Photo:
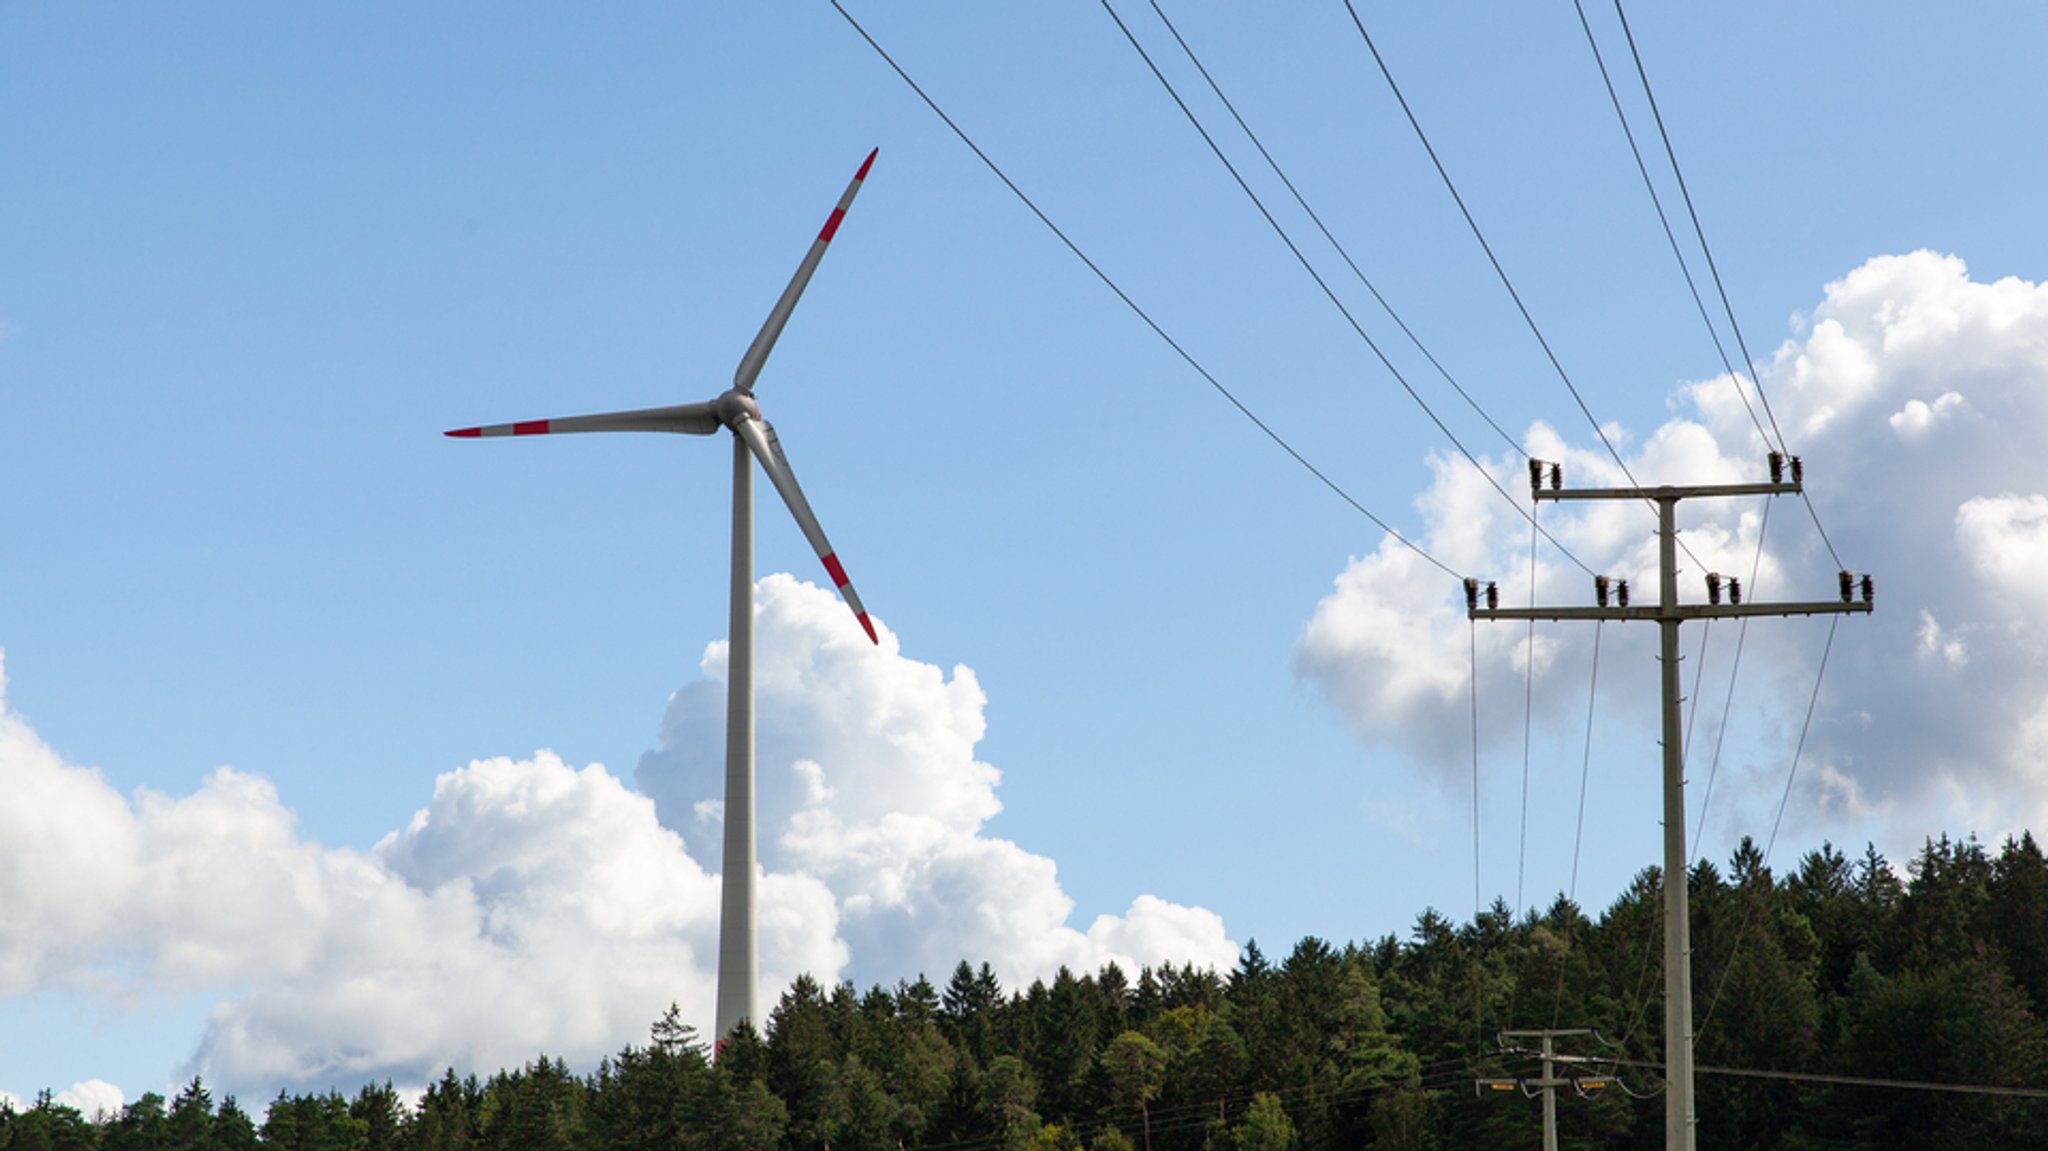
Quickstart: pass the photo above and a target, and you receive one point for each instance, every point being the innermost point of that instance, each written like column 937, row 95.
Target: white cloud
column 869, row 786
column 471, row 937
column 1920, row 419
column 1935, row 707
column 534, row 906
column 94, row 1098
column 1936, row 644
column 341, row 966
column 2004, row 541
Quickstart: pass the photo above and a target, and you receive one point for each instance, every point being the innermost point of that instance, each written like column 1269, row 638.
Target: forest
column 1901, row 1011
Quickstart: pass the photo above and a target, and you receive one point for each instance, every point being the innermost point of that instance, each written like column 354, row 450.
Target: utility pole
column 1550, row 1082
column 1669, row 613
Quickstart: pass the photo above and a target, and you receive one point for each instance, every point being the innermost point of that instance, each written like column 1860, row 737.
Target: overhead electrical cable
column 1309, row 267
column 1472, row 679
column 1242, row 408
column 1805, row 728
column 1685, row 192
column 1579, row 827
column 1714, row 269
column 1652, row 951
column 1699, row 827
column 1845, row 1080
column 1479, row 235
column 1671, row 237
column 1699, row 673
column 1195, row 1115
column 1785, row 800
column 1528, row 722
column 1586, row 761
column 1342, row 252
column 1500, row 271
column 1734, row 671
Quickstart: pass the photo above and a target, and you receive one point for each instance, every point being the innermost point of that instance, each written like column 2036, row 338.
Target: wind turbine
column 752, row 435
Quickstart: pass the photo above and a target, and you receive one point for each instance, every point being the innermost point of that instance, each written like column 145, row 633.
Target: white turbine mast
column 752, row 436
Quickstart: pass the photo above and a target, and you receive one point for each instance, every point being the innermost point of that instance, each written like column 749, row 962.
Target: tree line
column 1838, row 968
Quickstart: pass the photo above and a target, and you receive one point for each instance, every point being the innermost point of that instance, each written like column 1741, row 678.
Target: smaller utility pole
column 1612, row 598
column 1549, row 1083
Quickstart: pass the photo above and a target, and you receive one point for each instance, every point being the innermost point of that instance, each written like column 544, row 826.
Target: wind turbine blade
column 686, row 419
column 759, row 437
column 764, row 340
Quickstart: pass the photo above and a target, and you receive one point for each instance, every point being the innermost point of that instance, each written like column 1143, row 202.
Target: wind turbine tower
column 753, row 440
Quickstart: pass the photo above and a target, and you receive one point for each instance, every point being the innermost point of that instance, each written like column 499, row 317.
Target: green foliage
column 142, row 1126
column 233, row 1129
column 1840, row 967
column 450, row 1114
column 1008, row 1099
column 1111, row 1139
column 190, row 1125
column 1053, row 1137
column 657, row 1097
column 381, row 1112
column 1265, row 1127
column 1136, row 1067
column 47, row 1126
column 313, row 1123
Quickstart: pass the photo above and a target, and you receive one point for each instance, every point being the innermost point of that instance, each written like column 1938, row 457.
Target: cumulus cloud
column 1917, row 397
column 869, row 786
column 92, row 1097
column 469, row 937
column 535, row 906
column 1920, row 419
column 473, row 936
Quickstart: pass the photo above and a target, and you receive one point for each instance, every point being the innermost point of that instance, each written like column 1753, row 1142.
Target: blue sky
column 256, row 259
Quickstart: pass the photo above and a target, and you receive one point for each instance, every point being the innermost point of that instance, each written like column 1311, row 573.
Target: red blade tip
column 872, row 637
column 865, row 165
column 465, row 433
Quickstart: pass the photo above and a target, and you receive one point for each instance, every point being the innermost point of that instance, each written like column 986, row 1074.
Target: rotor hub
column 734, row 406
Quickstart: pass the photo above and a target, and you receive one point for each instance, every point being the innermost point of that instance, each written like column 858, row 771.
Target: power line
column 1586, row 764
column 1132, row 304
column 1734, row 673
column 1430, row 1075
column 1749, row 912
column 1501, row 272
column 1657, row 201
column 1846, row 1080
column 1686, row 193
column 1308, row 267
column 1799, row 750
column 1579, row 828
column 1472, row 679
column 1528, row 717
column 1712, row 268
column 1333, row 241
column 1479, row 235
